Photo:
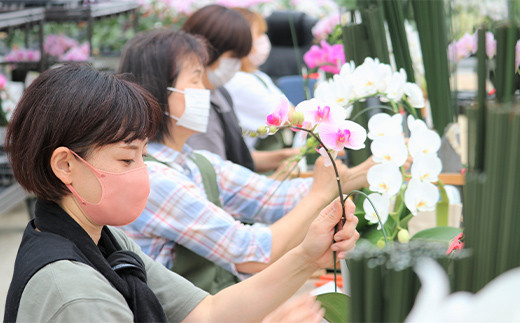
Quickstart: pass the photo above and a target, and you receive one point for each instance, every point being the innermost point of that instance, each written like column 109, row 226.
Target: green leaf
column 336, row 306
column 440, row 234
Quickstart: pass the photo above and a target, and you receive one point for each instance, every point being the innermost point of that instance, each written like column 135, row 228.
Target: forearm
column 289, row 231
column 269, row 160
column 259, row 295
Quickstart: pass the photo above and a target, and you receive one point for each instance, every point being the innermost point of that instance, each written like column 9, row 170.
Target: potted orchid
column 63, row 48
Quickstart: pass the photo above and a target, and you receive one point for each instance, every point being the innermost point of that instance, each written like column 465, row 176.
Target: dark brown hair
column 155, row 59
column 253, row 18
column 77, row 107
column 223, row 28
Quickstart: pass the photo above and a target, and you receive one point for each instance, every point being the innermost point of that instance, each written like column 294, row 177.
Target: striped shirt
column 178, row 210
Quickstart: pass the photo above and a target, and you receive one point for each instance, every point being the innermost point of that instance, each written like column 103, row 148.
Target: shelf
column 17, row 18
column 10, row 196
column 82, row 13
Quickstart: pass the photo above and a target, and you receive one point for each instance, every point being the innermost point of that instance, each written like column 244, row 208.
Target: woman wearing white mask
column 76, row 140
column 229, row 39
column 255, row 95
column 191, row 222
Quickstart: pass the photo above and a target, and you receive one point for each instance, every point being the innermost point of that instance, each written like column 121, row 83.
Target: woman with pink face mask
column 76, row 140
column 255, row 95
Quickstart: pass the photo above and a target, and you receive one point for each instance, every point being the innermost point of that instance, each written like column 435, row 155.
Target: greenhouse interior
column 332, row 160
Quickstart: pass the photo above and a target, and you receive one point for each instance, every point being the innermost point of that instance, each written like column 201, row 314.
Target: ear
column 61, row 164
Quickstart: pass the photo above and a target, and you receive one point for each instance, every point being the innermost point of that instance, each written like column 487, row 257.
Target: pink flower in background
column 343, row 134
column 280, row 115
column 328, row 58
column 517, row 55
column 57, row 45
column 325, row 26
column 77, row 53
column 22, row 55
column 491, row 45
column 3, row 80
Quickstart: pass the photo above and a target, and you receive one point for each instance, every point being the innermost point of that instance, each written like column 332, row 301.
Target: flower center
column 384, row 186
column 369, row 83
column 387, row 158
column 421, row 204
column 274, row 119
column 343, row 136
column 322, row 114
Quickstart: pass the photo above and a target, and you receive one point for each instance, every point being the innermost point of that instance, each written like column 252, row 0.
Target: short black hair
column 78, row 107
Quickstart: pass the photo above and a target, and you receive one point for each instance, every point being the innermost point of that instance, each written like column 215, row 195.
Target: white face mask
column 196, row 112
column 262, row 48
column 227, row 68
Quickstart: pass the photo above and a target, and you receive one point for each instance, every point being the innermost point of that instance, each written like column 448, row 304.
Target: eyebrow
column 133, row 147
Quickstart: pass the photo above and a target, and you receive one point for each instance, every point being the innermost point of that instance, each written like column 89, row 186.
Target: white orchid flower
column 420, row 196
column 385, row 179
column 496, row 302
column 383, row 124
column 347, row 70
column 368, row 78
column 316, row 111
column 395, row 86
column 426, row 168
column 414, row 94
column 423, row 142
column 335, row 92
column 390, row 149
column 382, row 204
column 415, row 124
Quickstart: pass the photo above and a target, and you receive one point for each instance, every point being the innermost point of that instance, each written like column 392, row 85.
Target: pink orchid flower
column 280, row 115
column 316, row 112
column 3, row 81
column 328, row 58
column 343, row 134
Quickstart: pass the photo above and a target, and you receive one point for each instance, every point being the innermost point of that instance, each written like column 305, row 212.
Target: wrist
column 308, row 263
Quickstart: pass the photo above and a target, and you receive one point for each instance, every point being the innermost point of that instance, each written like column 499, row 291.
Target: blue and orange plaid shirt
column 178, row 210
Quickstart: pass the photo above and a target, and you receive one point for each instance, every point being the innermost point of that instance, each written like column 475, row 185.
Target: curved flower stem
column 379, row 106
column 410, row 108
column 394, row 106
column 375, row 210
column 343, row 217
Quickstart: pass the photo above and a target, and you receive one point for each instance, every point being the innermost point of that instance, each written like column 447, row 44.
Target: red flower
column 456, row 244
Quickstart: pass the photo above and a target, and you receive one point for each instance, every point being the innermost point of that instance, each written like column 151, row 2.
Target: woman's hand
column 300, row 309
column 320, row 241
column 324, row 182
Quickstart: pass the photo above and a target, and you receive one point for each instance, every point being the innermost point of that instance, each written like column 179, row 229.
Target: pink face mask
column 123, row 196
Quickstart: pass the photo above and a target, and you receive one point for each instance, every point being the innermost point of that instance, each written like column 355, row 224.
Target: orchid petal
column 385, row 179
column 423, row 142
column 382, row 204
column 421, row 196
column 390, row 149
column 383, row 124
column 426, row 168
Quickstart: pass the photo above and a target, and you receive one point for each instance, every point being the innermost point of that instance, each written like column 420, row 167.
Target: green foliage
column 336, row 306
column 437, row 234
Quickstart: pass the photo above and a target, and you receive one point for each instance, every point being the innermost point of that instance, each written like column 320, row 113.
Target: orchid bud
column 296, row 118
column 252, row 134
column 262, row 130
column 381, row 244
column 272, row 129
column 403, row 236
column 311, row 142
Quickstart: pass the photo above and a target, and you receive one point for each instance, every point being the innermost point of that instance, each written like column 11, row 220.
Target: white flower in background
column 385, row 179
column 316, row 111
column 389, row 149
column 414, row 94
column 426, row 168
column 420, row 196
column 423, row 142
column 415, row 124
column 335, row 91
column 347, row 70
column 396, row 85
column 382, row 205
column 368, row 78
column 496, row 302
column 383, row 124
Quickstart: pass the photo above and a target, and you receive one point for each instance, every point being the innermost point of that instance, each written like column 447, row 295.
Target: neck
column 178, row 138
column 69, row 205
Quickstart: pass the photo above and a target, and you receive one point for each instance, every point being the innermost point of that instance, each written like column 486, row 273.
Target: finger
column 347, row 232
column 343, row 247
column 331, row 214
